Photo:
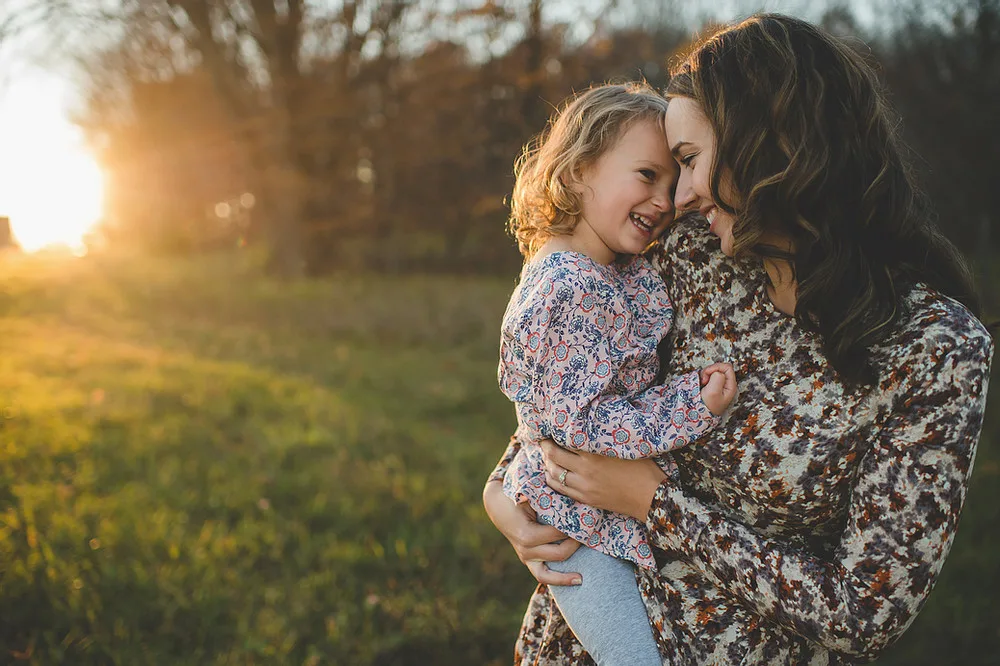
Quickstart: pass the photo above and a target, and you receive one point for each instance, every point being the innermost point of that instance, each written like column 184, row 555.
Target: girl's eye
column 688, row 159
column 648, row 174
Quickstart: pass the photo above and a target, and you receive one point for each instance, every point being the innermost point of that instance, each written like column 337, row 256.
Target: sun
column 50, row 186
column 57, row 201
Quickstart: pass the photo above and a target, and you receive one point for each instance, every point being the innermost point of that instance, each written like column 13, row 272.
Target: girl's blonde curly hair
column 546, row 199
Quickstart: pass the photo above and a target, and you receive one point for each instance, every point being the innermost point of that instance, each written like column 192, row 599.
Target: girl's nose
column 684, row 198
column 663, row 202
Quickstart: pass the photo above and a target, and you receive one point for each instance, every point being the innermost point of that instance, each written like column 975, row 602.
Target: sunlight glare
column 50, row 187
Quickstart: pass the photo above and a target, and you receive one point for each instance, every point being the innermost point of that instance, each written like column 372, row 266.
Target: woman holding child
column 808, row 523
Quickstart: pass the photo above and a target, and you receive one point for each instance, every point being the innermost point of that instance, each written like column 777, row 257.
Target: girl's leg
column 606, row 612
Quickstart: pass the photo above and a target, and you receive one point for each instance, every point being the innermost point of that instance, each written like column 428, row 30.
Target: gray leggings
column 606, row 612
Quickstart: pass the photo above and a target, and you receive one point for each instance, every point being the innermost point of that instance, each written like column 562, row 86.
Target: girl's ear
column 569, row 193
column 572, row 180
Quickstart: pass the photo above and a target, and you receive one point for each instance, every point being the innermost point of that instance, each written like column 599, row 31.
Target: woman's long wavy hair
column 807, row 150
column 546, row 201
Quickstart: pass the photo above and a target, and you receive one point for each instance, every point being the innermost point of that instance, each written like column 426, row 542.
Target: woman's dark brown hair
column 807, row 149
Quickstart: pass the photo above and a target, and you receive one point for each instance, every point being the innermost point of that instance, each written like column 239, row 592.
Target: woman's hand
column 624, row 486
column 534, row 543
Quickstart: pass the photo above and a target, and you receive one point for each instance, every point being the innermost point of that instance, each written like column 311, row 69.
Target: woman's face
column 692, row 143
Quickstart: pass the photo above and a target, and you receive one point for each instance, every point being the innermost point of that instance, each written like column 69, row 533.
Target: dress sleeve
column 902, row 517
column 578, row 342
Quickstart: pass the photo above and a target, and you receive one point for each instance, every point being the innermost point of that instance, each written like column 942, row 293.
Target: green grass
column 199, row 465
column 203, row 466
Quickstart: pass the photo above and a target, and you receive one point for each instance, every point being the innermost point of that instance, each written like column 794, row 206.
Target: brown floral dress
column 811, row 524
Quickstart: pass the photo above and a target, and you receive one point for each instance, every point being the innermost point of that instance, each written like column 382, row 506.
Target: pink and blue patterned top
column 578, row 357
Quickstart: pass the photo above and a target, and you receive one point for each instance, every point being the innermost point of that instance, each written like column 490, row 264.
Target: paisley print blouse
column 577, row 357
column 811, row 524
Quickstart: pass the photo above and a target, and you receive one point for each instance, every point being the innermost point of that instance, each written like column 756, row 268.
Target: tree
column 945, row 79
column 174, row 170
column 259, row 56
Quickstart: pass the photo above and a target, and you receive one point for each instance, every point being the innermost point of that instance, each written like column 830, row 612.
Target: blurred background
column 255, row 263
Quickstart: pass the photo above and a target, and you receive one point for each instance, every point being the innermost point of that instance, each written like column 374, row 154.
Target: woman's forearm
column 613, row 484
column 822, row 600
column 534, row 543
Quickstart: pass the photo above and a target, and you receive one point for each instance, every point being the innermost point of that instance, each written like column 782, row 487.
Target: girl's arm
column 902, row 519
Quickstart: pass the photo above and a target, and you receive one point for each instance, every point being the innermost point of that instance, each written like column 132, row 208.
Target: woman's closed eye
column 688, row 160
column 648, row 174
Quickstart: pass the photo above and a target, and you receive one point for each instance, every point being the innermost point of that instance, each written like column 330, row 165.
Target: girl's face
column 627, row 194
column 692, row 143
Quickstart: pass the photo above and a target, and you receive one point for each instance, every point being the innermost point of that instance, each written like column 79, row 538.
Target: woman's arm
column 902, row 518
column 534, row 543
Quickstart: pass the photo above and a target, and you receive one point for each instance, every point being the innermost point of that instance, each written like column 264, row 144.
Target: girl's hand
column 718, row 387
column 534, row 543
column 624, row 486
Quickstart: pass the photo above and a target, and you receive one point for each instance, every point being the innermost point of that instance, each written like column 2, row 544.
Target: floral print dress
column 809, row 527
column 577, row 357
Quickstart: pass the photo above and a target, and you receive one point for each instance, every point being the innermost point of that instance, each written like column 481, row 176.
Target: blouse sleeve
column 571, row 351
column 683, row 257
column 902, row 518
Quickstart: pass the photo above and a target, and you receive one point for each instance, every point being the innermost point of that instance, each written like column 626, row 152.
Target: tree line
column 381, row 134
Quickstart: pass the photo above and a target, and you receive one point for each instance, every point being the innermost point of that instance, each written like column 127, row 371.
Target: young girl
column 579, row 339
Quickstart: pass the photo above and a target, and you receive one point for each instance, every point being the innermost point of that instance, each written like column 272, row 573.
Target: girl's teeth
column 640, row 221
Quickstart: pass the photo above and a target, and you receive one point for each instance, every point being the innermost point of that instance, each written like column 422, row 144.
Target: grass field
column 201, row 466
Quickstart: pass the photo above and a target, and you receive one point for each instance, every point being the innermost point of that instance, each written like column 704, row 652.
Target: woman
column 810, row 526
